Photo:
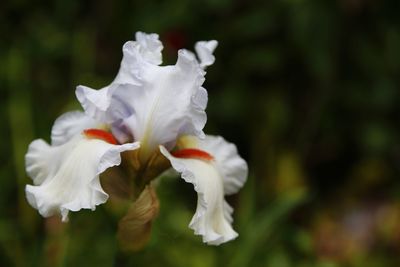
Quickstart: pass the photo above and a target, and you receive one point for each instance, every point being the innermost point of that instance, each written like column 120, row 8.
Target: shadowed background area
column 307, row 89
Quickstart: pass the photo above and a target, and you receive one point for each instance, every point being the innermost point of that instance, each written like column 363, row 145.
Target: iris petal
column 212, row 219
column 170, row 103
column 66, row 177
column 155, row 103
column 220, row 173
column 69, row 125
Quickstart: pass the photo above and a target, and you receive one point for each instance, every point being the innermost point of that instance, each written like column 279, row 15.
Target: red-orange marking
column 190, row 153
column 100, row 134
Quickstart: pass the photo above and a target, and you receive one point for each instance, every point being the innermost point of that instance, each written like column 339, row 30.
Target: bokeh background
column 307, row 89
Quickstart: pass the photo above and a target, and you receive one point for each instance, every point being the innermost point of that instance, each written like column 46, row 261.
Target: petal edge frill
column 204, row 50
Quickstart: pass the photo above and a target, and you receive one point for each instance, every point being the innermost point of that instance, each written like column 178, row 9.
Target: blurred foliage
column 307, row 89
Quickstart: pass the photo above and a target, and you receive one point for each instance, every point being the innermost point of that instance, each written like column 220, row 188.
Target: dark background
column 307, row 89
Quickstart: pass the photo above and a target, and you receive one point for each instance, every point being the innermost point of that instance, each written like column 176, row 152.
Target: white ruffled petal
column 150, row 47
column 213, row 218
column 137, row 55
column 155, row 103
column 95, row 102
column 171, row 102
column 205, row 50
column 66, row 177
column 69, row 125
column 103, row 104
column 232, row 167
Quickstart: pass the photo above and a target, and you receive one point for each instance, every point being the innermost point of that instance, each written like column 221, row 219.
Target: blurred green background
column 307, row 89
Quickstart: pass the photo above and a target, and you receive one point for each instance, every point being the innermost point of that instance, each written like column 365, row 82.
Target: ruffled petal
column 66, row 177
column 103, row 104
column 95, row 102
column 232, row 167
column 205, row 50
column 69, row 125
column 155, row 103
column 213, row 216
column 146, row 50
column 171, row 102
column 150, row 47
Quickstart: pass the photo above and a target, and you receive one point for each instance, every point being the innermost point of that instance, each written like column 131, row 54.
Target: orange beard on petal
column 100, row 134
column 192, row 153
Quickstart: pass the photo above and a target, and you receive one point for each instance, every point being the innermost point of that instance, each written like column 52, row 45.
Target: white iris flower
column 150, row 109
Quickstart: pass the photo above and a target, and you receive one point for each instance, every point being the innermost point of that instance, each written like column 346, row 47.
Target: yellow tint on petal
column 187, row 141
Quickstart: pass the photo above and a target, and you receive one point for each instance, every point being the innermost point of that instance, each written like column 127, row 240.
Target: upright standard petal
column 66, row 177
column 171, row 102
column 155, row 103
column 146, row 50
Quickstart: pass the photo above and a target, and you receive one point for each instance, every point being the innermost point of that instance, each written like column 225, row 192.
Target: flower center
column 100, row 134
column 192, row 153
